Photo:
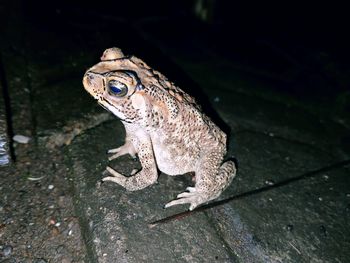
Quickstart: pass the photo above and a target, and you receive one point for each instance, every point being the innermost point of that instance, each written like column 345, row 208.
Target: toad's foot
column 116, row 177
column 136, row 181
column 193, row 197
column 127, row 148
column 207, row 190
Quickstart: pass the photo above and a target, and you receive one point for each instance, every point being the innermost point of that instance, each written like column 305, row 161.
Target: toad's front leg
column 147, row 176
column 127, row 148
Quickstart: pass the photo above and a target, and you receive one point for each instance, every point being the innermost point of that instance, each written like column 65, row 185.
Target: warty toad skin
column 165, row 128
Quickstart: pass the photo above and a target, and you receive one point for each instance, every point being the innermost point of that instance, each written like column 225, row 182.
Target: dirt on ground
column 37, row 219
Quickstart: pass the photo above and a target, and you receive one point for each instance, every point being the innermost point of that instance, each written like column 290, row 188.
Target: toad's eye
column 117, row 88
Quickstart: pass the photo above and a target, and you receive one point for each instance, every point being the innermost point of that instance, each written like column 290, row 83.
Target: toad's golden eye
column 117, row 88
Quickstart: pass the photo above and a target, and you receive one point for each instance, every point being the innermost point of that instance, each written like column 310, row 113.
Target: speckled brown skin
column 164, row 126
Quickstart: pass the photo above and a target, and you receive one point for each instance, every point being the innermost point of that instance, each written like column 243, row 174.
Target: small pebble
column 57, row 224
column 326, row 177
column 21, row 139
column 320, row 199
column 98, row 184
column 50, row 187
column 6, row 250
column 348, row 195
column 269, row 182
column 271, row 134
column 70, row 232
column 290, row 228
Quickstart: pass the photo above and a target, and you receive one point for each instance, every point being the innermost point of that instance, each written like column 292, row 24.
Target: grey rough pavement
column 273, row 137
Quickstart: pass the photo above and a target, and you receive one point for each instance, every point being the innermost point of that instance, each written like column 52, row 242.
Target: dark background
column 311, row 36
column 293, row 48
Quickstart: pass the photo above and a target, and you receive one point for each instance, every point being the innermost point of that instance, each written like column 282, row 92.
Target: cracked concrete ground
column 66, row 215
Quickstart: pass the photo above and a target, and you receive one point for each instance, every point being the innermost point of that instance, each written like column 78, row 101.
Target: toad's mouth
column 112, row 109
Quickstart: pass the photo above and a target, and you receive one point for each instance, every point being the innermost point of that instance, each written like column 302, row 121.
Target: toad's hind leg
column 208, row 187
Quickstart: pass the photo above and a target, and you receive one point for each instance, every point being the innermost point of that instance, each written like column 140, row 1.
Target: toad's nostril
column 89, row 76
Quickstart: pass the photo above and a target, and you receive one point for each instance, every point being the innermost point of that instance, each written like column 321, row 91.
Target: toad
column 165, row 128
